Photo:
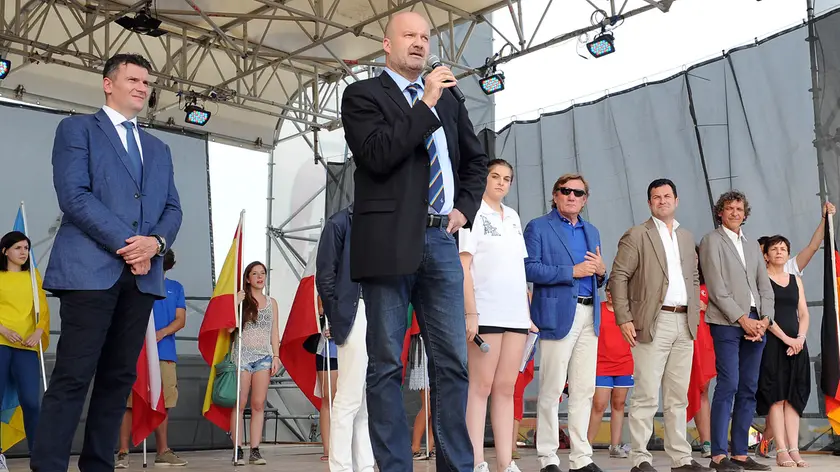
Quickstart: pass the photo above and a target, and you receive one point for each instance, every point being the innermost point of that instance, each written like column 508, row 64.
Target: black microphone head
column 434, row 61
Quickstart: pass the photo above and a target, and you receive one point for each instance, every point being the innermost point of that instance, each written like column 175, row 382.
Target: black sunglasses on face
column 567, row 191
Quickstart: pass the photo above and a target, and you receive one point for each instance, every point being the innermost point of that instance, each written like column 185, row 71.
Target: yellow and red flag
column 830, row 334
column 220, row 317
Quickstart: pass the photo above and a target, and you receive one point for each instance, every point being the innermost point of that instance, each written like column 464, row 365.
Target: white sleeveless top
column 256, row 336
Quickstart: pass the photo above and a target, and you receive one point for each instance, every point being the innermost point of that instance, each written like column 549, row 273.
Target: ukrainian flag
column 11, row 415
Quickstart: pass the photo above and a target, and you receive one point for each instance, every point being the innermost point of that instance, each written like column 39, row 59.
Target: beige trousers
column 665, row 362
column 577, row 355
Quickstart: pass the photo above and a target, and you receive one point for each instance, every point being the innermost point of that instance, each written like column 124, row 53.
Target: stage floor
column 282, row 458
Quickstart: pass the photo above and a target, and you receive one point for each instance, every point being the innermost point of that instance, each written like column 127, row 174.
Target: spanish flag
column 830, row 375
column 213, row 336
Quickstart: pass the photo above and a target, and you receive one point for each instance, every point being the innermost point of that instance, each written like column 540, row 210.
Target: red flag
column 147, row 403
column 301, row 325
column 703, row 363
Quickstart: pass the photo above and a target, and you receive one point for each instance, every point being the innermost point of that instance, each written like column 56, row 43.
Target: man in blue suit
column 564, row 264
column 350, row 447
column 116, row 187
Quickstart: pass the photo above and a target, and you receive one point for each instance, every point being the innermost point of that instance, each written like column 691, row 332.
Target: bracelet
column 468, row 314
column 798, row 336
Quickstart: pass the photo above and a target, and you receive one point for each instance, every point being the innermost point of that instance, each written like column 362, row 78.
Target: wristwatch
column 161, row 244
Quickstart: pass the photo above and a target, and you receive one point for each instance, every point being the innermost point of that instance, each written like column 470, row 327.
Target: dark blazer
column 104, row 205
column 339, row 294
column 550, row 267
column 387, row 138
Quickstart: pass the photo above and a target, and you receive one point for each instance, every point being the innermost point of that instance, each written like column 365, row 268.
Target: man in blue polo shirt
column 170, row 316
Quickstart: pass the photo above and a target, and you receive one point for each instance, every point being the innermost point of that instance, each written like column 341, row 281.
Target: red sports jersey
column 614, row 357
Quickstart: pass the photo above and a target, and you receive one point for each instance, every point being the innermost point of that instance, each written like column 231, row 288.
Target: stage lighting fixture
column 5, row 68
column 602, row 45
column 196, row 115
column 142, row 23
column 493, row 83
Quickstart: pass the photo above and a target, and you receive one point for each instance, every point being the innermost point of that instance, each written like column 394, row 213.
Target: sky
column 650, row 46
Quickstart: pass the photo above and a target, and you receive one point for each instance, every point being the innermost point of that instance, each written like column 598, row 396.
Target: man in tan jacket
column 656, row 291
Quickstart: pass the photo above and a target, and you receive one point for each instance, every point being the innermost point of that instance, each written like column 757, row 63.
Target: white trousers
column 665, row 362
column 350, row 449
column 575, row 355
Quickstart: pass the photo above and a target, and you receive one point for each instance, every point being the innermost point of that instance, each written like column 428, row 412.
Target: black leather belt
column 675, row 309
column 585, row 300
column 437, row 221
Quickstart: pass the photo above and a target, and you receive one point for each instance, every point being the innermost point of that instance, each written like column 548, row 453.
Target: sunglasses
column 568, row 191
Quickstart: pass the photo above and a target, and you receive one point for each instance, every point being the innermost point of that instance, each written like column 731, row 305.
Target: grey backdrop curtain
column 742, row 121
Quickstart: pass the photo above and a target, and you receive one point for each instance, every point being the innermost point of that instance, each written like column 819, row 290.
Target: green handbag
column 224, row 387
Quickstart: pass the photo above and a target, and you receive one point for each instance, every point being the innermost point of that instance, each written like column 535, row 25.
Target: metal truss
column 299, row 85
column 252, row 75
column 450, row 52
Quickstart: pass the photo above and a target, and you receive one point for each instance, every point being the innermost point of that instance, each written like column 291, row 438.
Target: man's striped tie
column 436, row 195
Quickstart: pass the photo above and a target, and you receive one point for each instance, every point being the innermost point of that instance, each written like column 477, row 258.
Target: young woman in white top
column 260, row 340
column 496, row 301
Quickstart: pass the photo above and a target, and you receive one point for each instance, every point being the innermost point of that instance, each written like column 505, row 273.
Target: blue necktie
column 133, row 151
column 436, row 194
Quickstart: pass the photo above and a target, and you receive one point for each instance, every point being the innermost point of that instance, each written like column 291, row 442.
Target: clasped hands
column 16, row 338
column 138, row 253
column 591, row 265
column 754, row 328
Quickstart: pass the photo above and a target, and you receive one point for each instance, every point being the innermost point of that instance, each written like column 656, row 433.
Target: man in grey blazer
column 655, row 289
column 739, row 312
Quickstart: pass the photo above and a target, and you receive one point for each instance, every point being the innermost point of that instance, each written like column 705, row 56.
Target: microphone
column 434, row 63
column 481, row 344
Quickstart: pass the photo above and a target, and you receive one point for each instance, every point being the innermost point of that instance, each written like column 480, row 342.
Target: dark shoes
column 551, row 468
column 694, row 466
column 644, row 467
column 591, row 467
column 750, row 464
column 734, row 465
column 725, row 465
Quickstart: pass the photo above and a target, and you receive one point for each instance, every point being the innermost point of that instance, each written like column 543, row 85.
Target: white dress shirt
column 738, row 240
column 677, row 294
column 117, row 119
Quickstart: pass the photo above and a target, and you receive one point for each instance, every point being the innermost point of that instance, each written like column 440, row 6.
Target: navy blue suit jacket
column 549, row 266
column 339, row 294
column 104, row 205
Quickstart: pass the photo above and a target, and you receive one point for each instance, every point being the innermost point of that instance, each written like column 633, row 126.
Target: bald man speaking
column 420, row 174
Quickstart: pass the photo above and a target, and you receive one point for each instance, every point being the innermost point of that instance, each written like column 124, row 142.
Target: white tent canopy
column 251, row 63
column 252, row 56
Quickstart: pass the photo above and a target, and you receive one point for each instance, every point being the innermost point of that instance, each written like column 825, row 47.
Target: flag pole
column 144, row 453
column 327, row 361
column 36, row 299
column 237, row 307
column 426, row 393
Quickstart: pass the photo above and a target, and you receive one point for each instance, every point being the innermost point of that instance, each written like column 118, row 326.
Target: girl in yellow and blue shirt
column 19, row 334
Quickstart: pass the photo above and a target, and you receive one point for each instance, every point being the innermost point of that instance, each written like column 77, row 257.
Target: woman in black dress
column 784, row 382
